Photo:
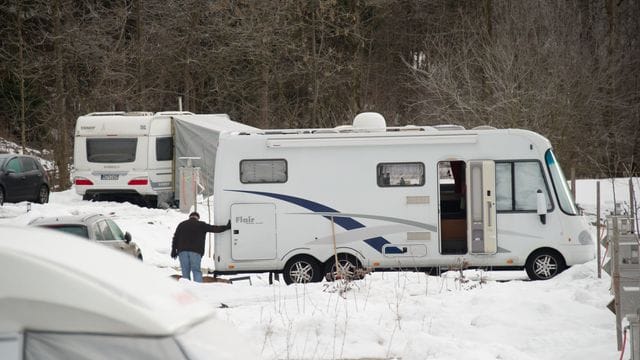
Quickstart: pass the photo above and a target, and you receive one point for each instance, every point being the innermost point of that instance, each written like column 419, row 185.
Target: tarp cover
column 197, row 136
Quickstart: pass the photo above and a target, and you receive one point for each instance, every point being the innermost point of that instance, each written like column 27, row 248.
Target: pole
column 335, row 249
column 615, row 278
column 180, row 103
column 209, row 208
column 598, row 245
column 632, row 206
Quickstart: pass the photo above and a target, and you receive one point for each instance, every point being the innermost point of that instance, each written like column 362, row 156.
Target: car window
column 105, row 230
column 97, row 232
column 14, row 164
column 117, row 233
column 79, row 230
column 28, row 164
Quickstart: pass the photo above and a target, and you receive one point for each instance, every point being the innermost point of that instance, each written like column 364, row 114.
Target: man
column 188, row 244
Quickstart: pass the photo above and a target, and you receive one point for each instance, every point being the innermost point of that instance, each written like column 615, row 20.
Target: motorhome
column 385, row 198
column 134, row 155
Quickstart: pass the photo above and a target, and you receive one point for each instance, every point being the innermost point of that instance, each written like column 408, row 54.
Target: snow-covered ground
column 390, row 315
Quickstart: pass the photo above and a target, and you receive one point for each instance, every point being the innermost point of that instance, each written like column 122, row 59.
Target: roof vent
column 484, row 127
column 369, row 121
column 449, row 127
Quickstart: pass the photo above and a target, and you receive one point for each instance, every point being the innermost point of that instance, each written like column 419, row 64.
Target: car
column 22, row 178
column 95, row 227
column 66, row 298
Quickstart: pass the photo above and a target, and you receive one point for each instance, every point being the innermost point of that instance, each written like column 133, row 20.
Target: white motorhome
column 120, row 154
column 413, row 197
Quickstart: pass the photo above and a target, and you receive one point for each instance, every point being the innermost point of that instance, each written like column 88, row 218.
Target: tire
column 43, row 195
column 544, row 264
column 301, row 270
column 1, row 196
column 348, row 263
column 139, row 256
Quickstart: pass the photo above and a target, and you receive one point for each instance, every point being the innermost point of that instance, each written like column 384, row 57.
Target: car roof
column 84, row 219
column 68, row 284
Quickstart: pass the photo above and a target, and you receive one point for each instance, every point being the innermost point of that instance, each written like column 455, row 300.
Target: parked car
column 95, row 227
column 65, row 298
column 22, row 178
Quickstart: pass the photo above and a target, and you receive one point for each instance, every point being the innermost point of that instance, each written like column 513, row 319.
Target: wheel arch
column 361, row 260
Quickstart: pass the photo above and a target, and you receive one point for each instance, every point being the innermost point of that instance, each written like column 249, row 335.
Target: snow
column 390, row 315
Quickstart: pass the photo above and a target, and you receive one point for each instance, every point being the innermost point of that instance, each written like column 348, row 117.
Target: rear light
column 83, row 181
column 142, row 181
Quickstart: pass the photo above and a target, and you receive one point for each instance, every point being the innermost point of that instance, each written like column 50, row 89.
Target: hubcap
column 43, row 195
column 345, row 269
column 545, row 266
column 301, row 272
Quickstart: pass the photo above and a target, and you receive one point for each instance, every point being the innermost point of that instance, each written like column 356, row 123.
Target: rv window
column 164, row 148
column 263, row 171
column 517, row 184
column 111, row 150
column 400, row 174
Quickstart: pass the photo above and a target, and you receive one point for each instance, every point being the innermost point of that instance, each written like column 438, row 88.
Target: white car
column 62, row 297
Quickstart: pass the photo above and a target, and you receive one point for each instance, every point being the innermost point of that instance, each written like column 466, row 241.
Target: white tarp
column 197, row 136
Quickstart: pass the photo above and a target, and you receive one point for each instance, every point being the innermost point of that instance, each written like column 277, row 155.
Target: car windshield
column 560, row 184
column 79, row 230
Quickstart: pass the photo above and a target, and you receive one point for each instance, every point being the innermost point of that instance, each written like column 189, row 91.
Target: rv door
column 253, row 231
column 482, row 207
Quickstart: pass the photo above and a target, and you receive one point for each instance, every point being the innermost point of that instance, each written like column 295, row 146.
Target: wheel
column 43, row 195
column 302, row 269
column 1, row 196
column 544, row 264
column 348, row 266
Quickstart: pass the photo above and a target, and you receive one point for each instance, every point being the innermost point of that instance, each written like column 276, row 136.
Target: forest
column 569, row 69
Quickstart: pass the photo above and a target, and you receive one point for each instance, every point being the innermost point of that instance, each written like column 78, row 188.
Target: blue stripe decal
column 346, row 223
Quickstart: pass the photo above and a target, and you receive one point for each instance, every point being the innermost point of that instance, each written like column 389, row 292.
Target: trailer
column 135, row 155
column 368, row 196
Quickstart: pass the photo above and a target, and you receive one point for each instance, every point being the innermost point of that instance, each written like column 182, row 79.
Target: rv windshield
column 560, row 184
column 111, row 150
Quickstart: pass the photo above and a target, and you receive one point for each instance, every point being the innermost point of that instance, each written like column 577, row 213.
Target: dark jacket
column 190, row 235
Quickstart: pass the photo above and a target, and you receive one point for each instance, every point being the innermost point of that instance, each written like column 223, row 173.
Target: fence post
column 598, row 245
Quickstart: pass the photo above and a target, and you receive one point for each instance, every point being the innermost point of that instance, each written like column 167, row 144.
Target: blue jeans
column 190, row 262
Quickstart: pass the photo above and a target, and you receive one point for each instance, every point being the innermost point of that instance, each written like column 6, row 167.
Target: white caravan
column 413, row 197
column 120, row 154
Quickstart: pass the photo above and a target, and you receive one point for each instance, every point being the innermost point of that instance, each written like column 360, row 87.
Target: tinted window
column 164, row 149
column 28, row 164
column 105, row 230
column 117, row 233
column 517, row 184
column 111, row 150
column 15, row 165
column 263, row 171
column 79, row 230
column 97, row 232
column 400, row 174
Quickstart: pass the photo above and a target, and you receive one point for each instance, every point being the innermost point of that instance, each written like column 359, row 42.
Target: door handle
column 236, row 232
column 489, row 213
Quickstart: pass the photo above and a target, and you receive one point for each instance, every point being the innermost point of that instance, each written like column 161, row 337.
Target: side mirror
column 542, row 206
column 127, row 237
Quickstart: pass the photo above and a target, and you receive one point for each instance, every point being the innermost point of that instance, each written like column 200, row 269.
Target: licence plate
column 109, row 177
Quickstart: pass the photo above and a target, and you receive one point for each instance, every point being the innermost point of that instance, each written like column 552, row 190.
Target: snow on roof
column 55, row 282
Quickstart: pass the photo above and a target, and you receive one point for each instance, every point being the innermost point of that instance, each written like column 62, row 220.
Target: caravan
column 386, row 198
column 131, row 155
